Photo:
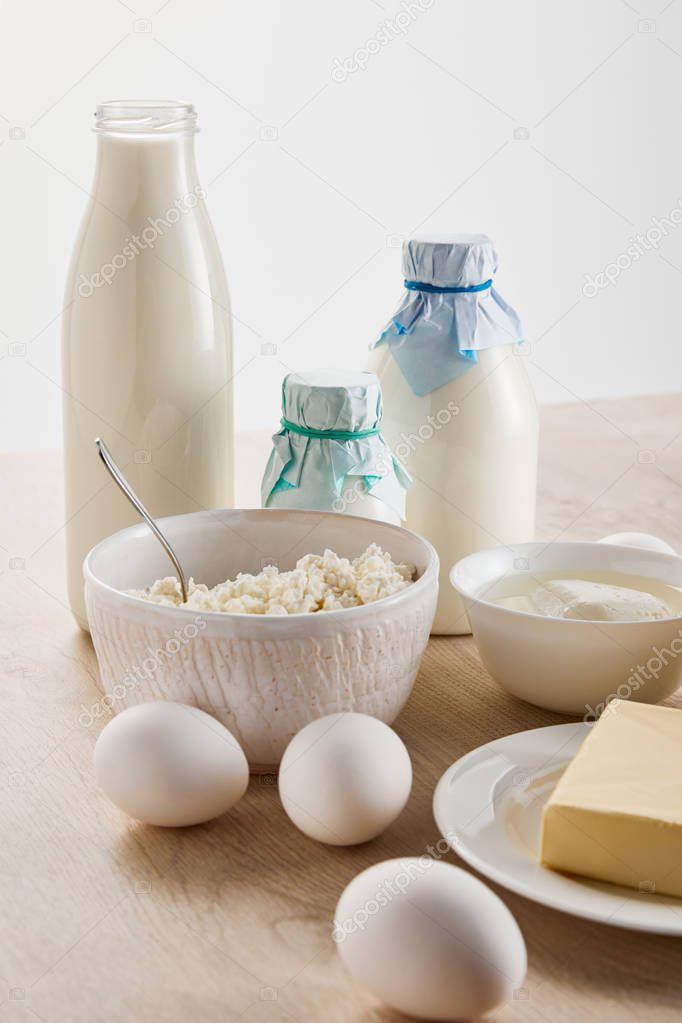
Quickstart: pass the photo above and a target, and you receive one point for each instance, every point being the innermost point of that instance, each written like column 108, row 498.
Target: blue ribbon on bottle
column 434, row 289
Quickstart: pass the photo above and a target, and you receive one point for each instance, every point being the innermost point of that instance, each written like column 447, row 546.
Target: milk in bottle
column 459, row 409
column 147, row 348
column 330, row 454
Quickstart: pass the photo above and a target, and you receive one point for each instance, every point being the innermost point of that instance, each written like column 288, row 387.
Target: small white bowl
column 263, row 676
column 572, row 667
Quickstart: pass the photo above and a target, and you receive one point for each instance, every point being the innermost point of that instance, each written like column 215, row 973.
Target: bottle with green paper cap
column 330, row 453
column 460, row 411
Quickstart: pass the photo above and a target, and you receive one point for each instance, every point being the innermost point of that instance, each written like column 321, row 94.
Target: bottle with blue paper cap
column 330, row 454
column 459, row 408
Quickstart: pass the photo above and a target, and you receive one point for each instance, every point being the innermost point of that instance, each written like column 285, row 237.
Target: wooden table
column 105, row 919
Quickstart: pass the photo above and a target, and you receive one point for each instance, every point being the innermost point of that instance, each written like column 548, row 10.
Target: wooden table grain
column 104, row 919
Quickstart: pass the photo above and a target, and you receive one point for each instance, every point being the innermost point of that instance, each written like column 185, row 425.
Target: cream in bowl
column 263, row 675
column 570, row 626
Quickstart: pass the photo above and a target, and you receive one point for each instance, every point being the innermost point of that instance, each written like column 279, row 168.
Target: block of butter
column 616, row 813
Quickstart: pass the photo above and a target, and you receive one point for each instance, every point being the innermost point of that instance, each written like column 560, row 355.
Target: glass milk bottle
column 330, row 454
column 459, row 407
column 146, row 347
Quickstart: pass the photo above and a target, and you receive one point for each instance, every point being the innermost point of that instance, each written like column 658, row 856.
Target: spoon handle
column 122, row 482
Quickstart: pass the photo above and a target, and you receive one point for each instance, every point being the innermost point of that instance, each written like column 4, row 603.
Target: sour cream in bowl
column 570, row 626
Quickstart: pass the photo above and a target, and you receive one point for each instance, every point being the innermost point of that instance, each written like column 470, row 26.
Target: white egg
column 170, row 764
column 344, row 778
column 429, row 939
column 645, row 540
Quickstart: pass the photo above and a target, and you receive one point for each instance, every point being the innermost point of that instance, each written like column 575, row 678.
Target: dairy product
column 147, row 352
column 616, row 813
column 330, row 454
column 589, row 596
column 471, row 449
column 601, row 602
column 320, row 582
column 470, row 444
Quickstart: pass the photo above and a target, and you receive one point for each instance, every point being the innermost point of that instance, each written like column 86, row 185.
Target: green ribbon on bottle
column 329, row 434
column 309, row 468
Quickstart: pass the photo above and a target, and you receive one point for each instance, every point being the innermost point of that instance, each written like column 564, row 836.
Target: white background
column 312, row 182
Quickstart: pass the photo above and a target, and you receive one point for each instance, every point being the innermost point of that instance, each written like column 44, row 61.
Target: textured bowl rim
column 430, row 574
column 455, row 577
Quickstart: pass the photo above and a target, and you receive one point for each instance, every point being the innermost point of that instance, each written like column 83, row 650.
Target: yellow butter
column 616, row 813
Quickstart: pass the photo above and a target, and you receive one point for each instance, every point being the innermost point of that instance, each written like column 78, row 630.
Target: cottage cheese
column 320, row 582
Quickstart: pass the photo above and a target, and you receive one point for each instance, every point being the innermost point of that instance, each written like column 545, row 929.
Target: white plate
column 488, row 806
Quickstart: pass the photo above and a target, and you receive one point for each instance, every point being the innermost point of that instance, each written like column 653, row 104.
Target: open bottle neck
column 145, row 118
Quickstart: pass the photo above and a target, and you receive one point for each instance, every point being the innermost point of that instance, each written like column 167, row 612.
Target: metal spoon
column 119, row 478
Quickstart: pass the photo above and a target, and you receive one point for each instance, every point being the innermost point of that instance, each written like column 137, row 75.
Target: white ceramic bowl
column 263, row 676
column 571, row 666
